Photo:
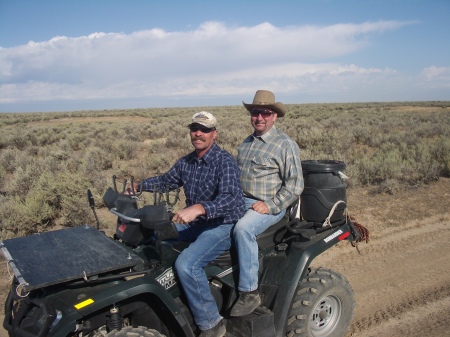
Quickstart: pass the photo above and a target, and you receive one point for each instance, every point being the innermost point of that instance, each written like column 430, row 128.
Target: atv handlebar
column 123, row 216
column 155, row 217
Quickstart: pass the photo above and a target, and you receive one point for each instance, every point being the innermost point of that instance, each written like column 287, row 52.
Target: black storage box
column 324, row 187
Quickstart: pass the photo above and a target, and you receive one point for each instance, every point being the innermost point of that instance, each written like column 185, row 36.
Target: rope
column 327, row 221
column 363, row 231
column 19, row 290
column 363, row 234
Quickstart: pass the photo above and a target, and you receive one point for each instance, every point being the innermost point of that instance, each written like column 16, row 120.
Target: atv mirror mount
column 92, row 205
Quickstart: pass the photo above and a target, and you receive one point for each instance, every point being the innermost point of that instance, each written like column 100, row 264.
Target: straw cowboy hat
column 266, row 99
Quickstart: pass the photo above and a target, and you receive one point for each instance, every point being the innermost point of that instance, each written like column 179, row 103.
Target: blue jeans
column 245, row 232
column 207, row 243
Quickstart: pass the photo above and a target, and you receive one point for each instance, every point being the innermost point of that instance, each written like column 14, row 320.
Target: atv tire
column 129, row 331
column 322, row 306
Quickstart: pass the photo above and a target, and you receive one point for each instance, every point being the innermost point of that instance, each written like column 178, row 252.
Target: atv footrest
column 259, row 323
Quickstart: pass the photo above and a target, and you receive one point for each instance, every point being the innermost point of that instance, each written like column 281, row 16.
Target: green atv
column 80, row 282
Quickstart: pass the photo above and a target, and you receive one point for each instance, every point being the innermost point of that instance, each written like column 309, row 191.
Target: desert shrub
column 441, row 152
column 93, row 165
column 29, row 212
column 124, row 149
column 19, row 140
column 48, row 137
column 96, row 160
column 69, row 190
column 24, row 178
column 420, row 164
column 47, row 166
column 8, row 159
column 15, row 221
column 3, row 178
column 75, row 141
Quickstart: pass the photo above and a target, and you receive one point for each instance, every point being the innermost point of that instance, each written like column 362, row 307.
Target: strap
column 327, row 221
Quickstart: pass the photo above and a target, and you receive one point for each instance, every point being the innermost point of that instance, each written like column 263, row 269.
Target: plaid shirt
column 212, row 181
column 271, row 169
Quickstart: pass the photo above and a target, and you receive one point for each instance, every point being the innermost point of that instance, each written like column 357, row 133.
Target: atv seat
column 268, row 237
column 265, row 239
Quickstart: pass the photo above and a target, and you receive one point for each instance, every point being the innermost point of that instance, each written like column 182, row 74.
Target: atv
column 80, row 282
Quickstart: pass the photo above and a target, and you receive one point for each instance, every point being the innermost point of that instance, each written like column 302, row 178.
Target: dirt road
column 401, row 278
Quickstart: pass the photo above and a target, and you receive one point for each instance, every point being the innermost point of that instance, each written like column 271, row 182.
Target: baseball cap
column 204, row 118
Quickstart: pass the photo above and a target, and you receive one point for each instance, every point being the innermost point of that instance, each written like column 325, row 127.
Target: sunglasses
column 265, row 113
column 203, row 129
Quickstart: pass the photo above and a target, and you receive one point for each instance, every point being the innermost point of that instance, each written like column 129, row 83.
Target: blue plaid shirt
column 212, row 181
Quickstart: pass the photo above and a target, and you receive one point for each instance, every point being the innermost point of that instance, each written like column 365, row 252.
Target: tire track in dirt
column 402, row 273
column 422, row 316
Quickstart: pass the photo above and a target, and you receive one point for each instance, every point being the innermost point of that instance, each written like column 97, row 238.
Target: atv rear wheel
column 129, row 331
column 322, row 306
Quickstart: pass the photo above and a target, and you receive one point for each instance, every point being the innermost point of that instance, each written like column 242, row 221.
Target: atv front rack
column 64, row 255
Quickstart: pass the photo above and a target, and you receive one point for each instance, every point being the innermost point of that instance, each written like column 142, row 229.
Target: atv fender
column 140, row 288
column 299, row 257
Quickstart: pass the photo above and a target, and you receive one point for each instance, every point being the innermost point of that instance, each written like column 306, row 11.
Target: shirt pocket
column 262, row 166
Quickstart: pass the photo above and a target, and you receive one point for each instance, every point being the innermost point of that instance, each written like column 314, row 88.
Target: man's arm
column 292, row 180
column 171, row 179
column 189, row 214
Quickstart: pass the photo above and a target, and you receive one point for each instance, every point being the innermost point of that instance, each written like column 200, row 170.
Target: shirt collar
column 208, row 156
column 267, row 135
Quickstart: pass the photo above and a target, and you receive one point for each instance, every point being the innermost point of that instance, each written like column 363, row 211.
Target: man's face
column 202, row 138
column 262, row 120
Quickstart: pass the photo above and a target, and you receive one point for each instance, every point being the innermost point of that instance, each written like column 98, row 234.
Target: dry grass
column 49, row 160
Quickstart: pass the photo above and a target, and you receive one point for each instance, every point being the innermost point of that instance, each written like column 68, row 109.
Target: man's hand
column 260, row 207
column 188, row 214
column 129, row 190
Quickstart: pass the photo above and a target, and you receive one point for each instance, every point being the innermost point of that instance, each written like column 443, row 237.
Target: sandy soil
column 401, row 279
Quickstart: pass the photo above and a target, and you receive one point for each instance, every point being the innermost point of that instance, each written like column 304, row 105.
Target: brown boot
column 218, row 331
column 247, row 302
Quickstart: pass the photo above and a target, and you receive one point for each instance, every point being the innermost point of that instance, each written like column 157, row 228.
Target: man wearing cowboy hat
column 271, row 179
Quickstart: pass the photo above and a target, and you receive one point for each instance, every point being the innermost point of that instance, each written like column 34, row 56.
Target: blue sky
column 60, row 55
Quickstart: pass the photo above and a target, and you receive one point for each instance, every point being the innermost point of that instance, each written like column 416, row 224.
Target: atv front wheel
column 141, row 331
column 322, row 306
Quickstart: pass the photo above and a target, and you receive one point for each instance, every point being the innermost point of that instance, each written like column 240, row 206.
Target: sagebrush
column 49, row 160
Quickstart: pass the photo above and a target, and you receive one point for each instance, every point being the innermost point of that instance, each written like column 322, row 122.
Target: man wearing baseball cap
column 211, row 211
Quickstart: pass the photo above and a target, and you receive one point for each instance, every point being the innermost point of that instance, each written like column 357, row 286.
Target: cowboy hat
column 266, row 99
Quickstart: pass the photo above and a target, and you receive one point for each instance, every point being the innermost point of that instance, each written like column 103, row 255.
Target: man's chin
column 199, row 146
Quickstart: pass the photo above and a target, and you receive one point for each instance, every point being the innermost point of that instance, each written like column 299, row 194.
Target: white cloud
column 213, row 59
column 437, row 76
